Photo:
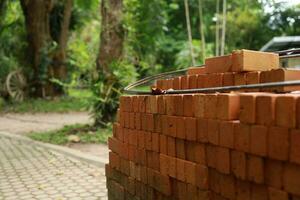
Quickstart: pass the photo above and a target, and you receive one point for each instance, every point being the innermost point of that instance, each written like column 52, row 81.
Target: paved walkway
column 26, row 123
column 28, row 171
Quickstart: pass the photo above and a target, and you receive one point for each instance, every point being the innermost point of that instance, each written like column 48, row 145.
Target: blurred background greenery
column 75, row 65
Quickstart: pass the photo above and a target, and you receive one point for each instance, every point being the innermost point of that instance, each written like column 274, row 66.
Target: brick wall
column 238, row 146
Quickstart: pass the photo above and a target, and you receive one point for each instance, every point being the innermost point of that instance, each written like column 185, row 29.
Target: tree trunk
column 36, row 14
column 110, row 52
column 189, row 31
column 201, row 24
column 112, row 35
column 223, row 27
column 217, row 28
column 3, row 4
column 59, row 69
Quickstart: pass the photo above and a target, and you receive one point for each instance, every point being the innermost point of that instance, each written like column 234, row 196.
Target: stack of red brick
column 236, row 146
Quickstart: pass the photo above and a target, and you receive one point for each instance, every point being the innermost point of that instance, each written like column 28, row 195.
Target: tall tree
column 37, row 13
column 201, row 24
column 47, row 62
column 217, row 28
column 58, row 69
column 223, row 27
column 110, row 54
column 189, row 30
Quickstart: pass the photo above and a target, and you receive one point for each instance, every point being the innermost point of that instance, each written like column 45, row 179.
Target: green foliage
column 77, row 100
column 86, row 133
column 107, row 90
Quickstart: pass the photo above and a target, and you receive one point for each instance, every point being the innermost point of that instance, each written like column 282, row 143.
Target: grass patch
column 86, row 133
column 76, row 100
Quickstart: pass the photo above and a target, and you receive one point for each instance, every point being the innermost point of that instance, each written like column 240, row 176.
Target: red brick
column 150, row 122
column 144, row 123
column 119, row 133
column 275, row 194
column 214, row 181
column 170, row 104
column 125, row 136
column 144, row 177
column 295, row 146
column 141, row 139
column 148, row 141
column 238, row 164
column 240, row 78
column 253, row 78
column 202, row 176
column 192, row 192
column 265, row 109
column 190, row 151
column 242, row 137
column 126, row 120
column 201, row 80
column 281, row 74
column 190, row 172
column 228, row 187
column 243, row 190
column 114, row 160
column 228, row 79
column 135, row 104
column 163, row 147
column 162, row 183
column 211, row 156
column 153, row 104
column 218, row 64
column 180, row 149
column 125, row 166
column 113, row 144
column 202, row 130
column 188, row 107
column 258, row 140
column 137, row 121
column 228, row 106
column 133, row 137
column 164, row 164
column 285, row 111
column 180, row 128
column 172, row 167
column 199, row 105
column 192, row 81
column 155, row 142
column 131, row 120
column 246, row 60
column 291, row 178
column 159, row 84
column 227, row 133
column 190, row 126
column 157, row 123
column 278, row 143
column 148, row 104
column 184, row 82
column 180, row 173
column 213, row 131
column 200, row 154
column 178, row 101
column 255, row 169
column 156, row 161
column 172, row 123
column 273, row 173
column 223, row 160
column 196, row 70
column 142, row 104
column 210, row 111
column 131, row 185
column 132, row 152
column 213, row 80
column 171, row 146
column 161, row 105
column 248, row 107
column 177, row 83
column 182, row 189
column 259, row 192
column 164, row 124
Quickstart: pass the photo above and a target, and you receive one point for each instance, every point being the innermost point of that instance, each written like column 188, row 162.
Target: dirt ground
column 23, row 124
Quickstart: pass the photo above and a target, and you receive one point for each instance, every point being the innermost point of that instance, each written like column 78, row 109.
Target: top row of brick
column 239, row 61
